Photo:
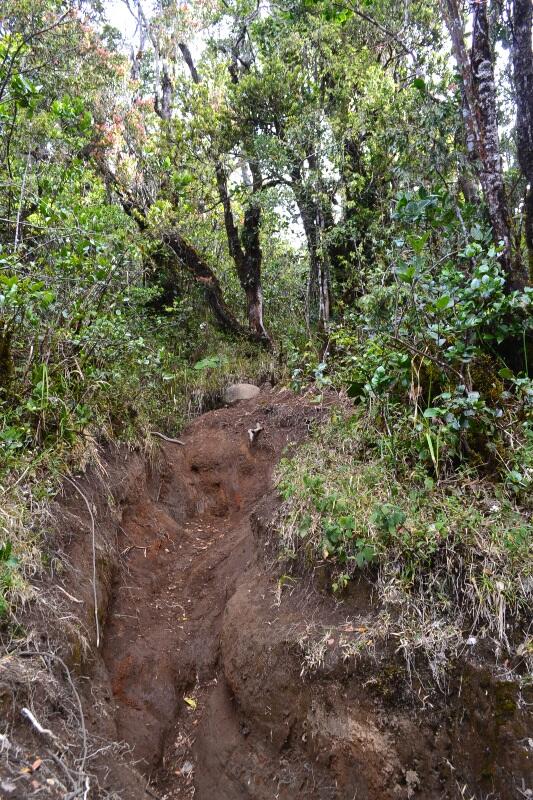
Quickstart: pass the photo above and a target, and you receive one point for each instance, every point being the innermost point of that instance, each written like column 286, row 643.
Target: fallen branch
column 166, row 438
column 253, row 433
column 134, row 547
column 70, row 596
column 37, row 725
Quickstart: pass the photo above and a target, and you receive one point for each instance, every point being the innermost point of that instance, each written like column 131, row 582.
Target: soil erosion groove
column 185, row 543
column 228, row 687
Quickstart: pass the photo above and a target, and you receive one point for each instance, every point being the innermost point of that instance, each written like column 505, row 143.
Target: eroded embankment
column 185, row 545
column 229, row 685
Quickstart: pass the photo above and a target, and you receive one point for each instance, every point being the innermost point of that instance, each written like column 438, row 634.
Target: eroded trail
column 225, row 682
column 225, row 687
column 185, row 545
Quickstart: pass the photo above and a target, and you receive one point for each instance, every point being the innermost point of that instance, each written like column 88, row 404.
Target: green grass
column 448, row 559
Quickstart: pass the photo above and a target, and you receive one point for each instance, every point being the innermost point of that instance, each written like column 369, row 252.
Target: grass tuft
column 449, row 560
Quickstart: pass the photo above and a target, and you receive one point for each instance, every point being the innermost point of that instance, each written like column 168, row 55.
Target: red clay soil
column 205, row 657
column 184, row 551
column 200, row 669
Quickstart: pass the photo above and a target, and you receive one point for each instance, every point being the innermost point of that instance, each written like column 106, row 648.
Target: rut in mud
column 201, row 669
column 185, row 545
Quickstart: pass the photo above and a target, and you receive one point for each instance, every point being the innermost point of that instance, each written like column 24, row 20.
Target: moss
column 389, row 683
column 504, row 702
column 485, row 380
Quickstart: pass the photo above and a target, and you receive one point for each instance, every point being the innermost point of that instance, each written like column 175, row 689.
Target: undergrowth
column 151, row 388
column 450, row 559
column 425, row 488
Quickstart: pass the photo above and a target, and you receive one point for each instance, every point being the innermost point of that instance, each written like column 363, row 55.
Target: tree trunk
column 318, row 287
column 187, row 57
column 163, row 107
column 319, row 284
column 253, row 257
column 245, row 250
column 254, row 303
column 323, row 270
column 184, row 253
column 489, row 146
column 204, row 275
column 351, row 250
column 247, row 256
column 522, row 57
column 481, row 122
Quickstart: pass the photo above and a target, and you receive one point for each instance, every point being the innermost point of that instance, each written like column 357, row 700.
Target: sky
column 120, row 17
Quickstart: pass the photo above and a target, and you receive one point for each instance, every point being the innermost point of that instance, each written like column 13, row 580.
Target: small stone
column 239, row 391
column 413, row 782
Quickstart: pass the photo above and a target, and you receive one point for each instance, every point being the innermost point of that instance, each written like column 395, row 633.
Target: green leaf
column 506, row 374
column 417, row 243
column 408, row 274
column 347, row 522
column 443, row 302
column 5, row 551
column 211, row 362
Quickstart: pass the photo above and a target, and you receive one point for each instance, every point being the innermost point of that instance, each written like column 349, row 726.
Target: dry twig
column 93, row 535
column 166, row 438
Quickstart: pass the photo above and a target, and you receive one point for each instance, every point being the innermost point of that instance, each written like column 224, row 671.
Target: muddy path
column 185, row 545
column 225, row 686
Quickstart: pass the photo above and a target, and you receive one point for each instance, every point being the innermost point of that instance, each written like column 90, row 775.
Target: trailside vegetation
column 333, row 195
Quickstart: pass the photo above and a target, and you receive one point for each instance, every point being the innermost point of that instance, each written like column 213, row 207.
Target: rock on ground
column 239, row 391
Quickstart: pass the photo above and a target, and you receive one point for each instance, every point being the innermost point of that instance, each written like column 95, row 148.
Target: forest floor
column 225, row 681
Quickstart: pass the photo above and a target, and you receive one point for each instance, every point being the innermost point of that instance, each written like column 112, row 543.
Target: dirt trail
column 183, row 553
column 223, row 684
column 225, row 687
column 206, row 662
